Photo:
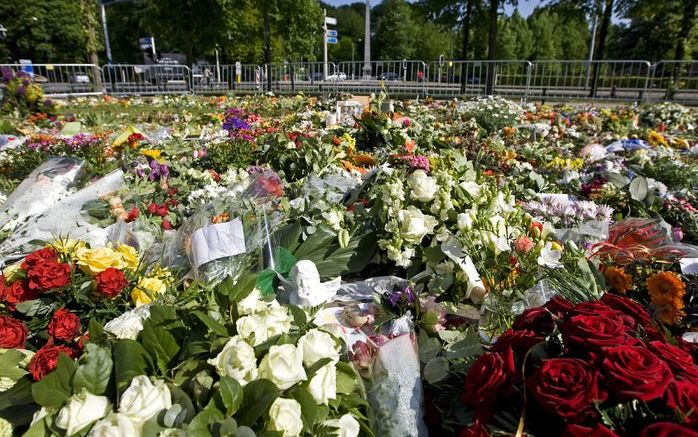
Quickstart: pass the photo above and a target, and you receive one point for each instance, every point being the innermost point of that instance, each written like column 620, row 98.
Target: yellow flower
column 94, row 261
column 151, row 153
column 67, row 246
column 128, row 255
column 681, row 143
column 12, row 272
column 146, row 290
column 655, row 138
column 555, row 246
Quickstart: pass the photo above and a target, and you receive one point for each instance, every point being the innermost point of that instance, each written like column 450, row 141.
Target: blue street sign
column 331, row 40
column 331, row 32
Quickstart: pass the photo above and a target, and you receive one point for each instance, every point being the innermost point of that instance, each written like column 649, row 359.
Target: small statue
column 304, row 286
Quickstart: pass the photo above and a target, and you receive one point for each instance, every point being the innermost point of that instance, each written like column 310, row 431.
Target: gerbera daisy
column 666, row 290
column 656, row 139
column 618, row 279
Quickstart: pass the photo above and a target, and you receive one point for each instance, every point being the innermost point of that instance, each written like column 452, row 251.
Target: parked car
column 389, row 75
column 79, row 78
column 337, row 76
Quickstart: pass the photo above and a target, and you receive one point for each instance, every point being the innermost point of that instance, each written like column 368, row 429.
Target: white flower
column 143, row 399
column 549, row 257
column 323, row 384
column 115, row 425
column 333, row 218
column 5, row 426
column 81, row 410
column 236, row 360
column 285, row 415
column 348, row 426
column 129, row 324
column 252, row 327
column 414, row 225
column 283, row 366
column 317, row 345
column 465, row 221
column 277, row 320
column 252, row 303
column 423, row 187
column 471, row 188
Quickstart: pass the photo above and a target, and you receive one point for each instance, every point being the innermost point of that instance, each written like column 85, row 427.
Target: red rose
column 18, row 292
column 166, row 225
column 519, row 341
column 13, row 333
column 490, row 377
column 559, row 306
column 152, row 208
column 595, row 307
column 667, row 429
column 682, row 396
column 47, row 275
column 634, row 372
column 588, row 333
column 680, row 362
column 688, row 346
column 566, row 387
column 64, row 325
column 629, row 307
column 474, row 430
column 598, row 430
column 45, row 254
column 45, row 360
column 110, row 282
column 538, row 319
column 132, row 214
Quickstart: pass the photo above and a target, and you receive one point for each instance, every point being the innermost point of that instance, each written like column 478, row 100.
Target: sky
column 525, row 7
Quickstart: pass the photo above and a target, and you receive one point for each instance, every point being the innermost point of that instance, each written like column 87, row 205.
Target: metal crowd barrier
column 674, row 80
column 475, row 78
column 621, row 80
column 63, row 79
column 608, row 80
column 124, row 79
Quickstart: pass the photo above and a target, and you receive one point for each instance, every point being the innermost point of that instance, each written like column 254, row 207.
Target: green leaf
column 9, row 364
column 429, row 347
column 96, row 331
column 283, row 260
column 231, row 394
column 638, row 188
column 54, row 389
column 199, row 426
column 160, row 343
column 181, row 398
column 469, row 346
column 436, row 370
column 289, row 236
column 257, row 398
column 94, row 370
column 309, row 409
column 347, row 379
column 212, row 324
column 41, row 428
column 266, row 281
column 130, row 360
column 236, row 291
column 319, row 364
column 71, row 128
column 299, row 316
column 18, row 394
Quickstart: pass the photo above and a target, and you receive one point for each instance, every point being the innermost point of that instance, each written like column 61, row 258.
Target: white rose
column 129, row 324
column 317, row 345
column 414, row 225
column 472, row 188
column 283, row 366
column 423, row 187
column 323, row 384
column 334, row 219
column 236, row 360
column 115, row 425
column 143, row 399
column 285, row 415
column 277, row 320
column 251, row 304
column 81, row 410
column 252, row 327
column 348, row 426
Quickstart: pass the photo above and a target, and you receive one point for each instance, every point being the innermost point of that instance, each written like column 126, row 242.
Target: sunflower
column 666, row 290
column 656, row 139
column 619, row 281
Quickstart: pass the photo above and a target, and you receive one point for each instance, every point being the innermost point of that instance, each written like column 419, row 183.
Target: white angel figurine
column 304, row 286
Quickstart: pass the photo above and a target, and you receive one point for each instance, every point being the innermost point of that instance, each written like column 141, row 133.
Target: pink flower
column 523, row 244
column 363, row 355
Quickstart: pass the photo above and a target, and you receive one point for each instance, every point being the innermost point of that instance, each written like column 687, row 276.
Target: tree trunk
column 600, row 52
column 90, row 15
column 492, row 47
column 466, row 43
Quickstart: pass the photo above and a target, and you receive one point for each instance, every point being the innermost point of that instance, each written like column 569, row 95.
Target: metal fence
column 540, row 80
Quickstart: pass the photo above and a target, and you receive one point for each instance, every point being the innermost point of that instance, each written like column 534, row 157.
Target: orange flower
column 409, row 145
column 221, row 218
column 666, row 290
column 364, row 160
column 620, row 281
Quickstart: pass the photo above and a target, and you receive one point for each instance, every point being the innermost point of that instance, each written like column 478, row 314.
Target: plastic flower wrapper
column 387, row 358
column 233, row 237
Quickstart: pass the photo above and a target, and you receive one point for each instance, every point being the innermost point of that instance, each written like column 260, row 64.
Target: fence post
column 529, row 68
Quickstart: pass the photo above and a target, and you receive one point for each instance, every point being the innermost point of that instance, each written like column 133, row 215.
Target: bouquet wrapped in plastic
column 232, row 235
column 386, row 357
column 636, row 239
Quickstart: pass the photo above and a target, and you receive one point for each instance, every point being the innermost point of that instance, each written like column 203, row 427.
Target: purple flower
column 402, row 298
column 20, row 91
column 677, row 234
column 417, row 162
column 7, row 74
column 164, row 170
column 26, row 82
column 48, row 102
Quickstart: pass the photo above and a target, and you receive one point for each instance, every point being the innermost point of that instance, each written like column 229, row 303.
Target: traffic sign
column 331, row 40
column 331, row 20
column 331, row 32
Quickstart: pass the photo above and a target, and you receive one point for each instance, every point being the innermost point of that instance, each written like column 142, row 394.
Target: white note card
column 218, row 241
column 689, row 266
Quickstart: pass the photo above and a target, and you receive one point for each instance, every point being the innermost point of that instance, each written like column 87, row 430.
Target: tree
column 396, row 31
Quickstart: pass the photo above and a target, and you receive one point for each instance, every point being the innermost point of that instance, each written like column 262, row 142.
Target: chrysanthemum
column 666, row 290
column 618, row 279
